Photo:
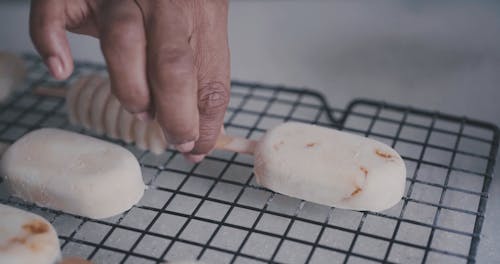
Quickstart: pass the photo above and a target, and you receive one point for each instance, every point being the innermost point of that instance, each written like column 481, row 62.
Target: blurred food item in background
column 12, row 73
column 90, row 103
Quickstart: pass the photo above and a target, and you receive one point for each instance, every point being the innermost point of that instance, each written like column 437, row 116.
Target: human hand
column 166, row 59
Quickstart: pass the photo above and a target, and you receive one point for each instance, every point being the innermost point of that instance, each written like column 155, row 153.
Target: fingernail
column 194, row 158
column 185, row 147
column 144, row 116
column 55, row 67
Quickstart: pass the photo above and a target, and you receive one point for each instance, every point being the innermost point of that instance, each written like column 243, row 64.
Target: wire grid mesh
column 214, row 211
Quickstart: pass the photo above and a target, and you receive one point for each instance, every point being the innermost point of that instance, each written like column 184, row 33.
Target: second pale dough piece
column 71, row 172
column 330, row 167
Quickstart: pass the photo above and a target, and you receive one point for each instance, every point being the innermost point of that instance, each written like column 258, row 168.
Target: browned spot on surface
column 4, row 248
column 17, row 240
column 11, row 242
column 36, row 227
column 364, row 170
column 310, row 145
column 35, row 246
column 383, row 154
column 356, row 191
column 278, row 145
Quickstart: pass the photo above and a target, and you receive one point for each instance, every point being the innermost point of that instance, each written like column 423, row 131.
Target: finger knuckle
column 168, row 65
column 121, row 34
column 213, row 98
column 174, row 61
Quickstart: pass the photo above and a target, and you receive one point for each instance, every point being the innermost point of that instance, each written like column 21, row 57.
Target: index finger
column 172, row 74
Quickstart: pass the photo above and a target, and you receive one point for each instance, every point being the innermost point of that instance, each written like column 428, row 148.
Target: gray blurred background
column 436, row 55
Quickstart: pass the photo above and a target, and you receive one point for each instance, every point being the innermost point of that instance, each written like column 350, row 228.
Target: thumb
column 48, row 33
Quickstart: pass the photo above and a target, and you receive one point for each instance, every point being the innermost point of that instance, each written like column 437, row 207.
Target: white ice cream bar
column 330, row 167
column 26, row 238
column 71, row 172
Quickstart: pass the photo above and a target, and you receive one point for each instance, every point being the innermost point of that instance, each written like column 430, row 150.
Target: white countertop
column 436, row 55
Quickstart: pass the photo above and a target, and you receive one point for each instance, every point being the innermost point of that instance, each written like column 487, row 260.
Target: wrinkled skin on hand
column 166, row 59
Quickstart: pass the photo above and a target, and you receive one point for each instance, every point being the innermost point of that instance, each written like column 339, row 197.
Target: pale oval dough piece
column 12, row 74
column 126, row 125
column 140, row 134
column 72, row 98
column 157, row 143
column 111, row 118
column 85, row 100
column 26, row 238
column 73, row 173
column 99, row 104
column 330, row 167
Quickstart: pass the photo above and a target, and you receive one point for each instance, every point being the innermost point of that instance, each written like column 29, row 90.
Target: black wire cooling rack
column 215, row 212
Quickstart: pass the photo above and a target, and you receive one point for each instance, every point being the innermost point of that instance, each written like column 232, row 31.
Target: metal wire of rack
column 214, row 211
